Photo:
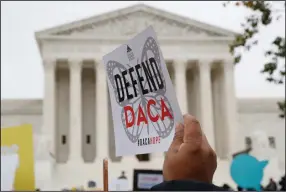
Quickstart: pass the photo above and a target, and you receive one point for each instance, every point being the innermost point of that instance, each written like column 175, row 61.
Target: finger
column 192, row 133
column 206, row 143
column 178, row 137
column 207, row 147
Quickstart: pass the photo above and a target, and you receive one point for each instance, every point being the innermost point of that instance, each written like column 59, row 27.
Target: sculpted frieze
column 131, row 24
column 93, row 50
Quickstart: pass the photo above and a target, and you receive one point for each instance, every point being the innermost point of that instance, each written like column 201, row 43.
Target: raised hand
column 190, row 157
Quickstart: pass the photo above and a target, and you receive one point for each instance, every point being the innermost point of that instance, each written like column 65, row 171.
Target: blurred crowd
column 271, row 186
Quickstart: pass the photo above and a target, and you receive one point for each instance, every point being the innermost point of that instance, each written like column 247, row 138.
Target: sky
column 21, row 65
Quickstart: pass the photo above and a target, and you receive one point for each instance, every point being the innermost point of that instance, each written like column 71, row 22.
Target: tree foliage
column 262, row 14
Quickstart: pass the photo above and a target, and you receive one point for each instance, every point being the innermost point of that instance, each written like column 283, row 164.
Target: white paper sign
column 145, row 109
column 9, row 165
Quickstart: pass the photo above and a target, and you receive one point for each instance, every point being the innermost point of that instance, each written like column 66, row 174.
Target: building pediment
column 132, row 20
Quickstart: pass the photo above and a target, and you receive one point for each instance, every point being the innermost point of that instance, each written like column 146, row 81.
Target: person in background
column 122, row 176
column 262, row 188
column 91, row 184
column 227, row 187
column 190, row 162
column 282, row 183
column 272, row 186
column 239, row 188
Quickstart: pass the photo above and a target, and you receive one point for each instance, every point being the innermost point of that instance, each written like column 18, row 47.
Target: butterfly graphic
column 162, row 127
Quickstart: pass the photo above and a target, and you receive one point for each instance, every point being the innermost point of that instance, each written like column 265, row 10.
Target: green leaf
column 237, row 59
column 269, row 68
column 277, row 41
column 270, row 79
column 262, row 13
column 268, row 53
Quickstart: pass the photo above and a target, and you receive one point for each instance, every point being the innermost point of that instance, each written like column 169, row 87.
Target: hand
column 190, row 157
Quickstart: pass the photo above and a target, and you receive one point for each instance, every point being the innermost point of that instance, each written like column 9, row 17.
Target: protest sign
column 144, row 104
column 9, row 166
column 17, row 158
column 247, row 172
column 144, row 180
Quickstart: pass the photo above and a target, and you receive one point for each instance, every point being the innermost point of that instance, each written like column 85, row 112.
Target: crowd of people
column 190, row 163
column 271, row 186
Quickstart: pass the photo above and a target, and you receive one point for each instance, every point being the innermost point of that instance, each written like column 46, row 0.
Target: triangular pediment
column 132, row 20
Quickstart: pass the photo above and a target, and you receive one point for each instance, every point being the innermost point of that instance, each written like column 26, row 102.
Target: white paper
column 9, row 165
column 155, row 131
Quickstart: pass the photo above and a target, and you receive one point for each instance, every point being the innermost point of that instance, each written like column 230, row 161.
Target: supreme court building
column 73, row 124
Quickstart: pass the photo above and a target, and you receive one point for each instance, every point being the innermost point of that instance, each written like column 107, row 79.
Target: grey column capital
column 75, row 64
column 49, row 63
column 228, row 63
column 180, row 64
column 98, row 65
column 205, row 64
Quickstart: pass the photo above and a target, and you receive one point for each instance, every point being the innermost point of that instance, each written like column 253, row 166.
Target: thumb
column 193, row 134
column 178, row 138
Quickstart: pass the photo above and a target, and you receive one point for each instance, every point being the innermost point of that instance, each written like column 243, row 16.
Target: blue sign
column 247, row 171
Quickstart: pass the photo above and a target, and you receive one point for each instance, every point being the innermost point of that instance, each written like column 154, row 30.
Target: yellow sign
column 93, row 189
column 22, row 136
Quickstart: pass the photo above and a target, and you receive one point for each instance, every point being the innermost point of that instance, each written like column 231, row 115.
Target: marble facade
column 75, row 118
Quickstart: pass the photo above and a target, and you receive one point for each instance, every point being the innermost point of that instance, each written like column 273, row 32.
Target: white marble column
column 181, row 84
column 206, row 105
column 102, row 148
column 75, row 111
column 49, row 112
column 234, row 142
